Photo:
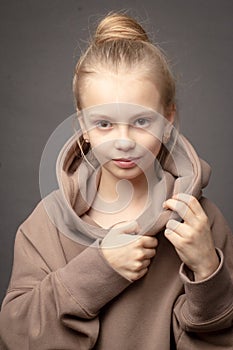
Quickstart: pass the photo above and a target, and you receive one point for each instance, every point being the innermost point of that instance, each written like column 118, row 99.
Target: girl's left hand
column 192, row 238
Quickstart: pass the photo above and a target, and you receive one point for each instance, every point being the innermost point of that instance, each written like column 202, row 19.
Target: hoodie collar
column 78, row 181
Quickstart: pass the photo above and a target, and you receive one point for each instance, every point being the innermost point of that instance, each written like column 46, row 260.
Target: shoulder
column 39, row 219
column 39, row 230
column 38, row 239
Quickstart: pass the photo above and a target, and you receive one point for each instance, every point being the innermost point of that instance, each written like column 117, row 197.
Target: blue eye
column 142, row 122
column 103, row 124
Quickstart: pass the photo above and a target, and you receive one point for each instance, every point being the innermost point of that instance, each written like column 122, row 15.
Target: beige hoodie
column 63, row 294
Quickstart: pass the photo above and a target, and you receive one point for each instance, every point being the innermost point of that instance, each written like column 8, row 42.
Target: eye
column 142, row 122
column 103, row 124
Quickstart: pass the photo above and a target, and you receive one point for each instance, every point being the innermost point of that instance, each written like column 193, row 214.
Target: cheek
column 94, row 138
column 156, row 148
column 104, row 141
column 152, row 144
column 100, row 146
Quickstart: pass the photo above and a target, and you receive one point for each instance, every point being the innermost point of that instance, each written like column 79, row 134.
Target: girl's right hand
column 129, row 254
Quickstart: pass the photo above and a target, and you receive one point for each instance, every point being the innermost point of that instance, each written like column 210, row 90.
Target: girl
column 126, row 254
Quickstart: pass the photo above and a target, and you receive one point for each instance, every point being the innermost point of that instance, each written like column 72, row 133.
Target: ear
column 171, row 113
column 170, row 116
column 82, row 125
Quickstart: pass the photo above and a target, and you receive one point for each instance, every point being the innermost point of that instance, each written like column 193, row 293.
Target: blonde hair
column 121, row 43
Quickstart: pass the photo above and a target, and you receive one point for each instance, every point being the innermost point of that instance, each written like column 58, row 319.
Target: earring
column 86, row 141
column 166, row 138
column 167, row 134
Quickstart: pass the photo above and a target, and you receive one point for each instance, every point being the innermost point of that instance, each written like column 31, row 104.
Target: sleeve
column 203, row 315
column 46, row 309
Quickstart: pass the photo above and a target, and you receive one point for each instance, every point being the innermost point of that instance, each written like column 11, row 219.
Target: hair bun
column 117, row 26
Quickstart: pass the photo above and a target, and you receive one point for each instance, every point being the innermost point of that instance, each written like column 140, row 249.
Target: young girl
column 126, row 254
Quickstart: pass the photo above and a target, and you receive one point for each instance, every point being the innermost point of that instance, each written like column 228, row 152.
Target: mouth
column 126, row 163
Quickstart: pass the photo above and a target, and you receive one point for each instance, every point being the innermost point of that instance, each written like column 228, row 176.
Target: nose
column 123, row 142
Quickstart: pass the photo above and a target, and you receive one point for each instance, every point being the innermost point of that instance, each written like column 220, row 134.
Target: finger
column 190, row 201
column 149, row 253
column 127, row 227
column 144, row 263
column 174, row 238
column 181, row 229
column 173, row 226
column 137, row 275
column 181, row 208
column 141, row 264
column 149, row 242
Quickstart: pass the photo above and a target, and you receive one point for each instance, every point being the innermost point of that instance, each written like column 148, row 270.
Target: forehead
column 120, row 88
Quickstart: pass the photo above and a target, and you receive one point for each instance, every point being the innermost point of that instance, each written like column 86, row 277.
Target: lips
column 126, row 163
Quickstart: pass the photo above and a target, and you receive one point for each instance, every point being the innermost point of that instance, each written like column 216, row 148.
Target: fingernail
column 167, row 231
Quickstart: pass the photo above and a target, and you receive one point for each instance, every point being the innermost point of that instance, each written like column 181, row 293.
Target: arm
column 55, row 307
column 204, row 314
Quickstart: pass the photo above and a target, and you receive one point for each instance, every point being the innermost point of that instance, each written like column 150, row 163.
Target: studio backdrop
column 40, row 44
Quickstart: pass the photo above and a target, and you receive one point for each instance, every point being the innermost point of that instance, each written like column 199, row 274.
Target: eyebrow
column 98, row 115
column 109, row 117
column 145, row 114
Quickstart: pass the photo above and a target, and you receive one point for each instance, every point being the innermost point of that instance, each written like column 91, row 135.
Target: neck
column 120, row 200
column 136, row 188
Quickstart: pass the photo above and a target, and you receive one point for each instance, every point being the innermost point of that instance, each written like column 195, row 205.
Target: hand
column 192, row 239
column 129, row 254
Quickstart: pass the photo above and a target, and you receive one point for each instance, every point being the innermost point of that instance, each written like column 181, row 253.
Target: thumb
column 127, row 227
column 121, row 234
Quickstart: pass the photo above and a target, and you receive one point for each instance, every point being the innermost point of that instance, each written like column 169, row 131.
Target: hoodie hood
column 78, row 181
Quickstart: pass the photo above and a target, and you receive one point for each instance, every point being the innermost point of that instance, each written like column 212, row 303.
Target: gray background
column 40, row 43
